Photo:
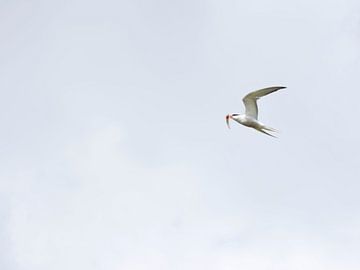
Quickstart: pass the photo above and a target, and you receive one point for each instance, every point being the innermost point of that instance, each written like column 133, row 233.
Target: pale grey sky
column 114, row 148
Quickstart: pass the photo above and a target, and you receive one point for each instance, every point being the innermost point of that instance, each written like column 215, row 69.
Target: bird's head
column 230, row 116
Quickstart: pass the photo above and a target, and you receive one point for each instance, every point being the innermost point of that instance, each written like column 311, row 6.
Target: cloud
column 108, row 211
column 110, row 207
column 115, row 151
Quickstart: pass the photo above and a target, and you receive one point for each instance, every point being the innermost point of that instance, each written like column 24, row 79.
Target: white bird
column 250, row 118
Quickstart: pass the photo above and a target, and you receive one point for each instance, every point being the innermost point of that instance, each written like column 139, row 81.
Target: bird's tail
column 269, row 129
column 263, row 131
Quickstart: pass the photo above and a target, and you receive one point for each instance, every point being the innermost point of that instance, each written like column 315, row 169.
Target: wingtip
column 280, row 87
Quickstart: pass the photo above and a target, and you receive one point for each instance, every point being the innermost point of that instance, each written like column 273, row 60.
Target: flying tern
column 250, row 118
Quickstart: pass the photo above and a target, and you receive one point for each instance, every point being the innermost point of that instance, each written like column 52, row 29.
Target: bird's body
column 250, row 118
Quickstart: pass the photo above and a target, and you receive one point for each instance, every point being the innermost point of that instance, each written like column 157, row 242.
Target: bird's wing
column 251, row 108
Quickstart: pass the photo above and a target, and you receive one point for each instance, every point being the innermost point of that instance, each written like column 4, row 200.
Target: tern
column 250, row 118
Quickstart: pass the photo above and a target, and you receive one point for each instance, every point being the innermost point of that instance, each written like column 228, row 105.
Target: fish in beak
column 228, row 120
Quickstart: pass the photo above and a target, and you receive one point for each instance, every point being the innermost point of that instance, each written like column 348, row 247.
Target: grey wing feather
column 251, row 108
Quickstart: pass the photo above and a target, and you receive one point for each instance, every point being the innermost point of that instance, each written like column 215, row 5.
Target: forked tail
column 263, row 131
column 269, row 129
column 263, row 128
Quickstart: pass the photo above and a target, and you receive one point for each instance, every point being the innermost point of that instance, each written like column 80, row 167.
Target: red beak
column 227, row 120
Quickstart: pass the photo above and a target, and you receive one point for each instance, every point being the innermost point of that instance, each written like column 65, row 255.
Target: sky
column 114, row 150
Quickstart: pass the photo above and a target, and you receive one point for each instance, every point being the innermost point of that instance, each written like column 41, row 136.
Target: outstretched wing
column 251, row 108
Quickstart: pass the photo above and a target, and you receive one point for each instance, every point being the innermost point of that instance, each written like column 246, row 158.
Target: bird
column 250, row 118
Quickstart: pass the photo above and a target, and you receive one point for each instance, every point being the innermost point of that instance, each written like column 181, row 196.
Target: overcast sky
column 114, row 150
